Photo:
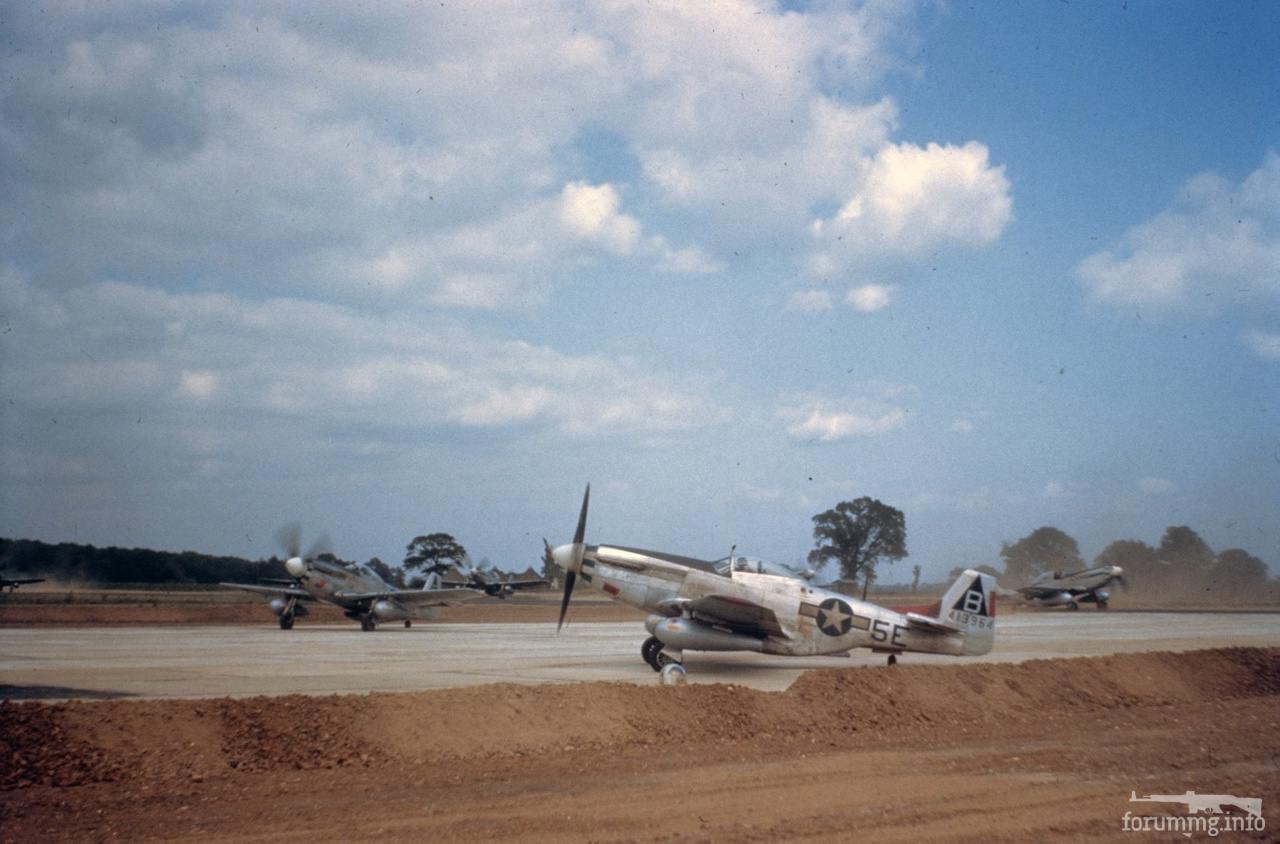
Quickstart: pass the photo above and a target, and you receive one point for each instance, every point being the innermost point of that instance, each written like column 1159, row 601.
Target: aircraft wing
column 737, row 613
column 1038, row 591
column 21, row 582
column 414, row 597
column 274, row 591
column 524, row 584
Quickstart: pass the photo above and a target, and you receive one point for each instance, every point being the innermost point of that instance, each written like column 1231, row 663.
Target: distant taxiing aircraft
column 1071, row 589
column 12, row 584
column 362, row 594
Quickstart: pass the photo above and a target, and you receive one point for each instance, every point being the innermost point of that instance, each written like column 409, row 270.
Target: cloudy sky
column 435, row 266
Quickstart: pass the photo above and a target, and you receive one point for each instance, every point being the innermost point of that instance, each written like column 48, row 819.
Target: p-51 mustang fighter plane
column 12, row 584
column 697, row 605
column 363, row 595
column 494, row 583
column 1070, row 590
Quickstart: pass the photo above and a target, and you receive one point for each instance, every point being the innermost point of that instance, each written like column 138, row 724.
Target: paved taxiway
column 216, row 661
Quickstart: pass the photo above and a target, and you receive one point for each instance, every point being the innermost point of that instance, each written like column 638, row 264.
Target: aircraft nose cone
column 566, row 557
column 295, row 566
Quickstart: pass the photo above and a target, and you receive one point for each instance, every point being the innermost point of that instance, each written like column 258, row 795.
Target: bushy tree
column 1044, row 549
column 434, row 553
column 1185, row 550
column 857, row 535
column 1238, row 574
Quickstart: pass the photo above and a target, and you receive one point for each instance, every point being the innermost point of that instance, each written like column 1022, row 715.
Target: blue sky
column 415, row 268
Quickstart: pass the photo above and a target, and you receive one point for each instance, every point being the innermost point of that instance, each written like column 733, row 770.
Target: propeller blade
column 575, row 561
column 1123, row 581
column 582, row 518
column 290, row 539
column 569, row 579
column 322, row 545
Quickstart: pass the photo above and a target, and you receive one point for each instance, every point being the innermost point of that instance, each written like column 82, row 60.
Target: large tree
column 434, row 553
column 1239, row 574
column 857, row 535
column 1044, row 549
column 1183, row 548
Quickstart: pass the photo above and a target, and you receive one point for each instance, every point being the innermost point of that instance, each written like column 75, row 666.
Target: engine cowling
column 389, row 611
column 690, row 634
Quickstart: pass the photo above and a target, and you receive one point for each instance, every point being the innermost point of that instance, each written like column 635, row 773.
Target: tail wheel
column 408, row 622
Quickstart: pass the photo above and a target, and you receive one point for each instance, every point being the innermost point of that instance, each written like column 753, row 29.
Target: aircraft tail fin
column 970, row 604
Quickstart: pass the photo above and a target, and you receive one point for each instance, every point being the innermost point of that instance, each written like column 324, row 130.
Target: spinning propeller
column 290, row 539
column 569, row 557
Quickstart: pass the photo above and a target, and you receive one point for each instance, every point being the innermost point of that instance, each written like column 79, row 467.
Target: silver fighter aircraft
column 698, row 606
column 1071, row 589
column 13, row 583
column 362, row 594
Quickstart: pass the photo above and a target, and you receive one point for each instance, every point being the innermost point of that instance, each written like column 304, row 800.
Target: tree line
column 68, row 561
column 75, row 563
column 1181, row 565
column 860, row 534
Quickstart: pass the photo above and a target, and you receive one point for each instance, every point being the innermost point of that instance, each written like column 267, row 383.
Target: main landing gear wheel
column 408, row 622
column 368, row 623
column 650, row 650
column 1102, row 605
column 286, row 622
column 893, row 660
column 1073, row 606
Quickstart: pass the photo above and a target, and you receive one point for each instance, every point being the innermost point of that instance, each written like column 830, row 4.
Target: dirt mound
column 83, row 742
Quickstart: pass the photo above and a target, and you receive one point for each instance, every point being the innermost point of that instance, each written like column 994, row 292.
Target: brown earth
column 1046, row 749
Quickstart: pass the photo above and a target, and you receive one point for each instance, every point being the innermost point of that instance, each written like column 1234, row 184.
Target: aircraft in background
column 490, row 581
column 362, row 594
column 1071, row 589
column 12, row 584
column 695, row 605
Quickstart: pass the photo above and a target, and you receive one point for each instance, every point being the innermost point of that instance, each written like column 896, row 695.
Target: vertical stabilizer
column 970, row 604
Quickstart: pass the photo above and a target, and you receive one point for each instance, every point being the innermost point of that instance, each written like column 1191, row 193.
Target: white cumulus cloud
column 1264, row 344
column 831, row 420
column 1157, row 486
column 1218, row 246
column 869, row 298
column 591, row 212
column 915, row 198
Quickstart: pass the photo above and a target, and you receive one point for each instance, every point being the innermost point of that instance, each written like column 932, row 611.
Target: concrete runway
column 216, row 661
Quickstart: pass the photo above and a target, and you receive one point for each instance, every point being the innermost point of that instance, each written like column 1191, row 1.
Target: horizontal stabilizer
column 931, row 625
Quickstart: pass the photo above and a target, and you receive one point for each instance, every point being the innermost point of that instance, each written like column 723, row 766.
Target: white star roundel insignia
column 834, row 617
